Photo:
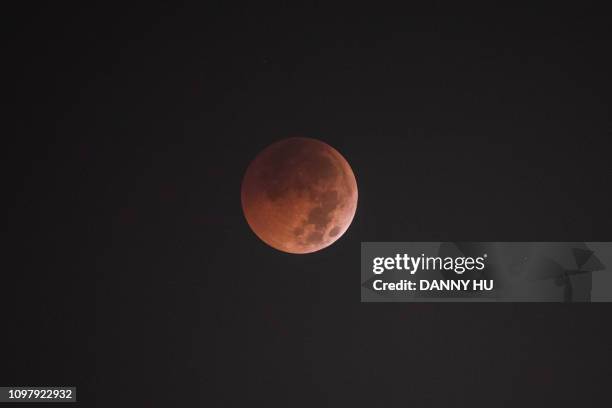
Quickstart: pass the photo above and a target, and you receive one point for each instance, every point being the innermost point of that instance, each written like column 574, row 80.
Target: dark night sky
column 135, row 277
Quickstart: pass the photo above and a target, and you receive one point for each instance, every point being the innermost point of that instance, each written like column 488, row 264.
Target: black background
column 132, row 274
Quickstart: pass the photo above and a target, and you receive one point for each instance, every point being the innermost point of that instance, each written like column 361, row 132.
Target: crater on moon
column 299, row 195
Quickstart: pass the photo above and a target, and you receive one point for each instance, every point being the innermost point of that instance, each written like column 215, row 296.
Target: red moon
column 299, row 195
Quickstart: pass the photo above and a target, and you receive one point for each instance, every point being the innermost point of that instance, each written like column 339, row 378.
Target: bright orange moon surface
column 299, row 195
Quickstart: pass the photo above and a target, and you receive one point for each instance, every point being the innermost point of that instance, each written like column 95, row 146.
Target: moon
column 299, row 195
